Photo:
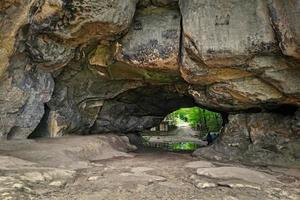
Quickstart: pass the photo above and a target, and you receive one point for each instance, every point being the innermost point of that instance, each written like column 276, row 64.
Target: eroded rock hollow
column 88, row 66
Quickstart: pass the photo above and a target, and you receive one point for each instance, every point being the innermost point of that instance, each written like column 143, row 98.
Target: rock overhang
column 226, row 55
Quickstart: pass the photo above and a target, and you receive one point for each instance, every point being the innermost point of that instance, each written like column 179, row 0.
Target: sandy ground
column 96, row 168
column 183, row 133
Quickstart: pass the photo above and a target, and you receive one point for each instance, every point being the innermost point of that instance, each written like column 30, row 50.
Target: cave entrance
column 185, row 129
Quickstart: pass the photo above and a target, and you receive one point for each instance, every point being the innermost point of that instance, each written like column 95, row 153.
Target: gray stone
column 244, row 174
column 49, row 54
column 77, row 101
column 22, row 98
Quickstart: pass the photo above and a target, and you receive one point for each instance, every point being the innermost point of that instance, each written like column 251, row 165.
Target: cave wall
column 260, row 138
column 87, row 66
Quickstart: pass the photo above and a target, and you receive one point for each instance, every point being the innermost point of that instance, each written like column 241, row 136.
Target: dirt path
column 146, row 175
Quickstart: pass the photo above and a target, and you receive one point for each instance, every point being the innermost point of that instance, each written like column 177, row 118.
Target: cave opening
column 184, row 130
column 158, row 117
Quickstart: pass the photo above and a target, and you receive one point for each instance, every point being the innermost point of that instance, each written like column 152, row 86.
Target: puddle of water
column 184, row 146
column 177, row 146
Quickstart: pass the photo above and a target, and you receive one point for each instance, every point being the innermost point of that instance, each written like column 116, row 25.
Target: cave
column 83, row 83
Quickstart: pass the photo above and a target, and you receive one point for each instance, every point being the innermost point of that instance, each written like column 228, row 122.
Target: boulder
column 262, row 138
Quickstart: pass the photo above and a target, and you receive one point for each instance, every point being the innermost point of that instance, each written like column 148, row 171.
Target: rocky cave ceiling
column 89, row 66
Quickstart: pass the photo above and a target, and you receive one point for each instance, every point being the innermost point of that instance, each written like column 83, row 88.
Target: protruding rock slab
column 245, row 174
column 153, row 40
column 68, row 152
column 281, row 72
column 274, row 79
column 223, row 34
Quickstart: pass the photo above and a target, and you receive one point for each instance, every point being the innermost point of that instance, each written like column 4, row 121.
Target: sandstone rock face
column 13, row 15
column 285, row 15
column 223, row 34
column 262, row 138
column 123, row 65
column 80, row 21
column 237, row 59
column 153, row 40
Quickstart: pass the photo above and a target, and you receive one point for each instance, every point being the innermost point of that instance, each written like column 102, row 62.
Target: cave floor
column 148, row 174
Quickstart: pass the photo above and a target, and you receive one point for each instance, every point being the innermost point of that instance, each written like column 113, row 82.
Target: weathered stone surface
column 139, row 109
column 247, row 91
column 14, row 14
column 199, row 164
column 285, row 16
column 49, row 54
column 230, row 46
column 153, row 40
column 264, row 138
column 59, row 153
column 282, row 73
column 77, row 99
column 80, row 21
column 236, row 173
column 223, row 34
column 122, row 71
column 274, row 79
column 22, row 98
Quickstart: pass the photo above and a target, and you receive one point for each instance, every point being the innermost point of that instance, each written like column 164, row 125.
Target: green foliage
column 183, row 146
column 205, row 120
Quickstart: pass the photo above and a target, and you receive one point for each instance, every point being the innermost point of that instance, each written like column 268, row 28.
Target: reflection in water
column 176, row 146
